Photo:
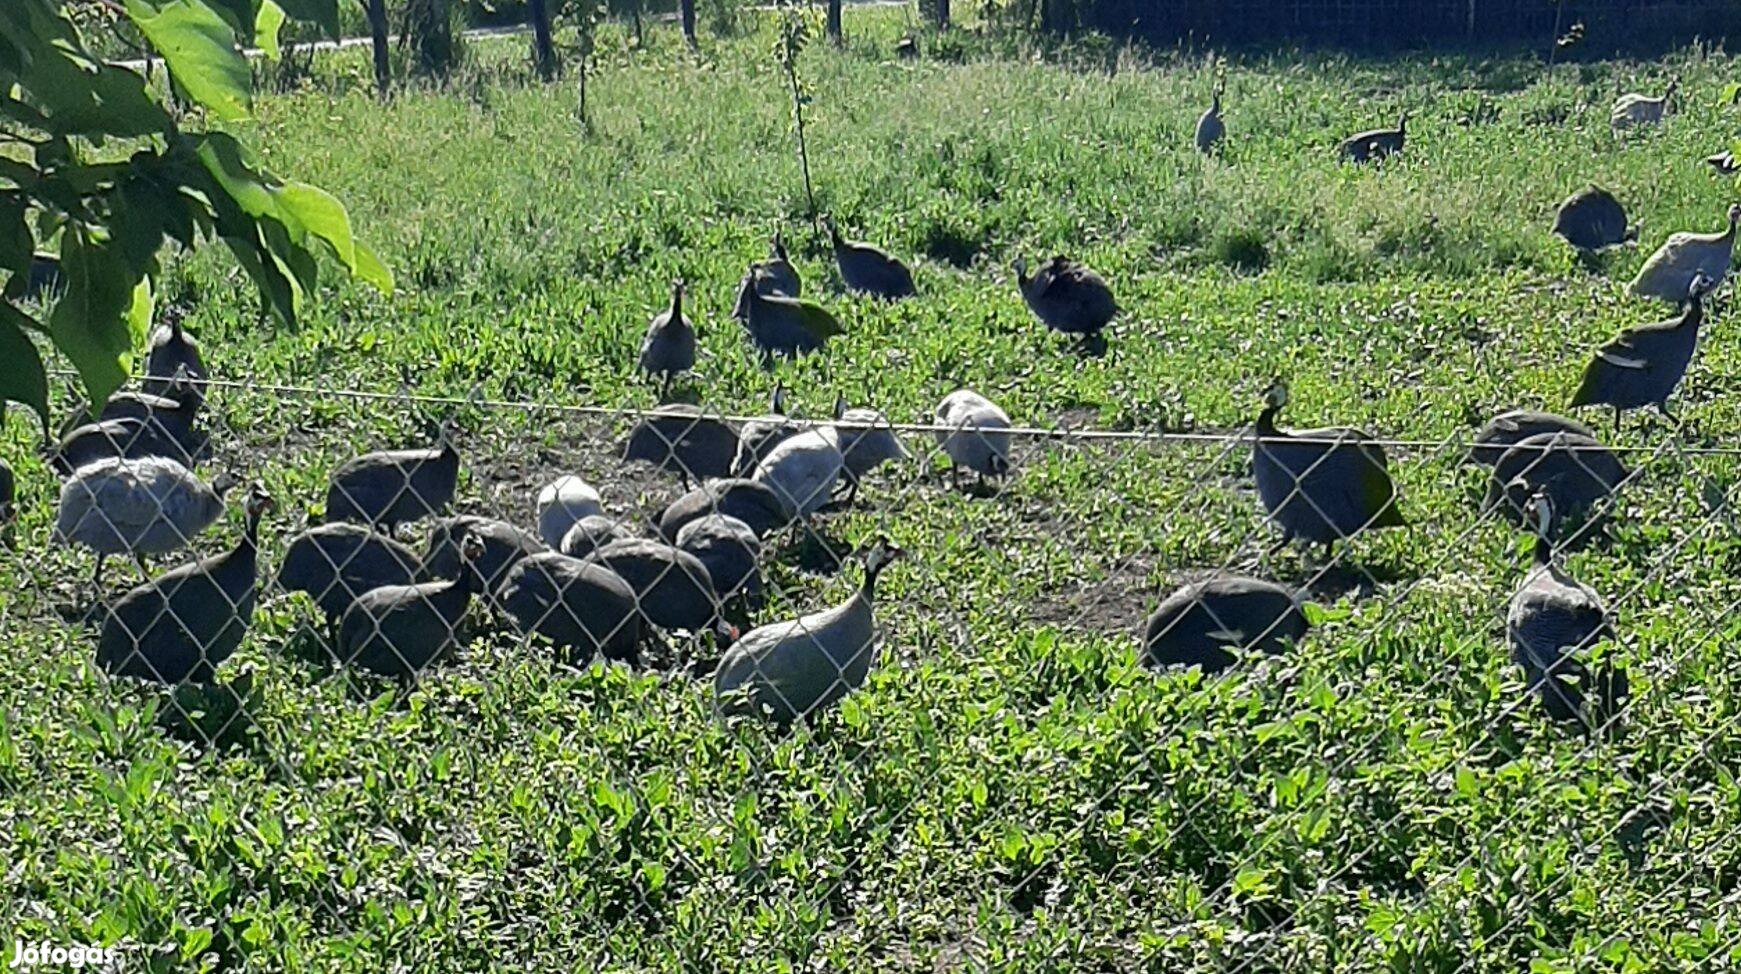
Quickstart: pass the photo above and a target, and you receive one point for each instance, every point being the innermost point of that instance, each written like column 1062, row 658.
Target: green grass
column 1010, row 792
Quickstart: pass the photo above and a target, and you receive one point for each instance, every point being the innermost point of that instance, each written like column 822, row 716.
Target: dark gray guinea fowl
column 1322, row 485
column 1642, row 366
column 1592, row 219
column 503, row 545
column 750, row 501
column 592, row 533
column 1508, row 428
column 172, row 357
column 869, row 269
column 185, row 623
column 669, row 347
column 1204, row 622
column 399, row 630
column 1576, row 472
column 1067, row 296
column 681, row 439
column 731, row 552
column 132, row 438
column 1553, row 619
column 394, row 487
column 672, row 587
column 578, row 606
column 336, row 563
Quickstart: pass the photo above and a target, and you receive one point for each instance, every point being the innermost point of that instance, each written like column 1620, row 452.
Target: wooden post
column 543, row 54
column 834, row 23
column 687, row 9
column 377, row 13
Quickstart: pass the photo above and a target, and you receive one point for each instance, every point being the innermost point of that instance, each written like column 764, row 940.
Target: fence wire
column 751, row 588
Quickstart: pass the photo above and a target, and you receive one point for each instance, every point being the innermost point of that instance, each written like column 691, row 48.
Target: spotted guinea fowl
column 399, row 630
column 1552, row 620
column 502, row 544
column 592, row 533
column 394, row 487
column 1592, row 219
column 1508, row 428
column 1577, row 473
column 1206, row 621
column 730, row 550
column 682, row 439
column 335, row 563
column 869, row 269
column 1633, row 110
column 1210, row 128
column 1067, row 296
column 1320, row 485
column 792, row 669
column 668, row 350
column 1375, row 144
column 132, row 438
column 760, row 435
column 562, row 504
column 778, row 325
column 172, row 356
column 672, row 587
column 867, row 441
column 773, row 276
column 1642, row 366
column 1668, row 274
column 149, row 506
column 750, row 501
column 802, row 471
column 583, row 608
column 185, row 623
column 974, row 435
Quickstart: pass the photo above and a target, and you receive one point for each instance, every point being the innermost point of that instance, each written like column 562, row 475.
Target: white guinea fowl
column 1668, row 274
column 1633, row 110
column 562, row 504
column 148, row 506
column 976, row 434
column 803, row 470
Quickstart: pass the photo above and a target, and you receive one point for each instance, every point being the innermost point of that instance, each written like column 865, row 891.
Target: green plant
column 99, row 166
column 796, row 27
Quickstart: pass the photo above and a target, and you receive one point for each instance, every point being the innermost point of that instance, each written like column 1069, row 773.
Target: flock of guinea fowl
column 589, row 585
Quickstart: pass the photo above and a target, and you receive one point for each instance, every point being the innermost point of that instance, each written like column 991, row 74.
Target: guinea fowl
column 1552, row 620
column 1206, row 621
column 394, row 487
column 590, row 534
column 335, row 563
column 730, row 550
column 793, row 669
column 974, row 435
column 563, row 503
column 773, row 276
column 129, row 438
column 1592, row 219
column 803, row 471
column 1633, row 110
column 172, row 357
column 867, row 441
column 1210, row 128
column 502, row 544
column 682, row 439
column 781, row 325
column 1724, row 162
column 1668, row 274
column 1320, row 485
column 672, row 587
column 1375, row 143
column 869, row 269
column 185, row 623
column 669, row 348
column 749, row 501
column 1577, row 474
column 399, row 630
column 149, row 506
column 1643, row 365
column 583, row 608
column 1507, row 429
column 760, row 435
column 1066, row 296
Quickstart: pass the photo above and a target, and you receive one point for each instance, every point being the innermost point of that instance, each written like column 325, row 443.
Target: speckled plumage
column 1202, row 622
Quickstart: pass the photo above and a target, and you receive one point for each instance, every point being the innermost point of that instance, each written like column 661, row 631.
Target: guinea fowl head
column 777, row 246
column 1402, row 121
column 833, row 230
column 677, row 298
column 1020, row 266
column 1702, row 284
column 1734, row 216
column 1276, row 396
column 881, row 553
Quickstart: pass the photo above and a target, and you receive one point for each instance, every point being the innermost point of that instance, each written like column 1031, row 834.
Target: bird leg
column 144, row 569
column 1616, row 420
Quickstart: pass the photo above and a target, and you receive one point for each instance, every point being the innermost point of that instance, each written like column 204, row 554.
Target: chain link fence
column 751, row 585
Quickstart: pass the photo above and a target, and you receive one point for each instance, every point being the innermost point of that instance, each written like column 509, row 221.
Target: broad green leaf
column 370, row 269
column 89, row 323
column 73, row 91
column 321, row 214
column 266, row 26
column 140, row 307
column 22, row 378
column 200, row 49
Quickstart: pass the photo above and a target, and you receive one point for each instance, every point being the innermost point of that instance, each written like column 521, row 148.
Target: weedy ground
column 1011, row 791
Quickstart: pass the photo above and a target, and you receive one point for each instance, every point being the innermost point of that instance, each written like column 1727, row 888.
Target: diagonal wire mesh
column 856, row 645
